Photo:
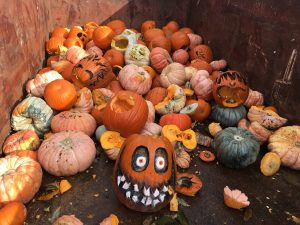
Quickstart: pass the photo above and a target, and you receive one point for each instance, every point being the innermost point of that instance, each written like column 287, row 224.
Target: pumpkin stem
column 67, row 141
column 238, row 138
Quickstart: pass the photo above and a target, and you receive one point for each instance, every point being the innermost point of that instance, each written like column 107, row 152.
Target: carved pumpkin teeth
column 126, row 185
column 162, row 197
column 165, row 188
column 149, row 201
column 123, row 178
column 136, row 188
column 119, row 180
column 135, row 198
column 156, row 193
column 146, row 191
column 143, row 200
column 128, row 194
column 155, row 202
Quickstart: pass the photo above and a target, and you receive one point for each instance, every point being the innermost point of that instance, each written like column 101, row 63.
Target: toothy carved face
column 230, row 89
column 143, row 173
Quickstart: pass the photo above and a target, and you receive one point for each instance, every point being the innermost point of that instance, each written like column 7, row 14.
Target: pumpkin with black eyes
column 230, row 89
column 92, row 72
column 144, row 173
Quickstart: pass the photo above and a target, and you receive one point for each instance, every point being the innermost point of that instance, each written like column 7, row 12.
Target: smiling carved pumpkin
column 143, row 173
column 230, row 89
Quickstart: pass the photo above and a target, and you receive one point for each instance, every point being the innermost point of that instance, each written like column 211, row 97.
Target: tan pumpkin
column 173, row 74
column 22, row 140
column 202, row 52
column 180, row 56
column 218, row 64
column 84, row 103
column 195, row 39
column 126, row 113
column 37, row 85
column 95, row 51
column 20, row 179
column 70, row 120
column 183, row 158
column 254, row 98
column 156, row 95
column 135, row 78
column 179, row 40
column 286, row 143
column 160, row 58
column 265, row 117
column 189, row 72
column 202, row 85
column 73, row 152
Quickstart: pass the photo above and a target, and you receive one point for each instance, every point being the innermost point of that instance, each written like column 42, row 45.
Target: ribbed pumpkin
column 22, row 140
column 236, row 147
column 173, row 74
column 118, row 26
column 151, row 129
column 70, row 120
column 84, row 103
column 135, row 78
column 182, row 121
column 13, row 213
column 202, row 85
column 228, row 117
column 286, row 143
column 75, row 54
column 156, row 95
column 203, row 52
column 20, row 179
column 180, row 56
column 254, row 98
column 32, row 114
column 218, row 64
column 103, row 36
column 160, row 58
column 126, row 113
column 95, row 51
column 137, row 54
column 37, row 85
column 179, row 40
column 195, row 39
column 60, row 95
column 71, row 152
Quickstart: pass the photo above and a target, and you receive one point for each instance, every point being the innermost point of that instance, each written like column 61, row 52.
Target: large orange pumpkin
column 162, row 42
column 60, row 95
column 20, row 179
column 203, row 52
column 144, row 171
column 13, row 213
column 182, row 121
column 126, row 113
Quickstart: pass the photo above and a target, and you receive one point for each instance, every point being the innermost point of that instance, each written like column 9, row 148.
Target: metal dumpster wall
column 25, row 26
column 260, row 38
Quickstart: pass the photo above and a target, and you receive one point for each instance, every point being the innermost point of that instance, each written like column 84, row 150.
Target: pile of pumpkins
column 153, row 82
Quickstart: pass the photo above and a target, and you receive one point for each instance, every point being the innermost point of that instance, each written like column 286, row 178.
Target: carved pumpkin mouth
column 145, row 197
column 230, row 96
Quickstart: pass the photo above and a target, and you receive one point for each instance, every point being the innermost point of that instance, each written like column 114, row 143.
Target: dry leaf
column 48, row 196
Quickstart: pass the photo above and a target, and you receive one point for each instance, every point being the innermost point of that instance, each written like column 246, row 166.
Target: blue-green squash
column 235, row 147
column 228, row 117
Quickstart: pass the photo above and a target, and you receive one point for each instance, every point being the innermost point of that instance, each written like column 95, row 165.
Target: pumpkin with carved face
column 92, row 72
column 144, row 172
column 230, row 89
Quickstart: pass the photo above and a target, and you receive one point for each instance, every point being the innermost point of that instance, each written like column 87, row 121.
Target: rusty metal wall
column 260, row 38
column 25, row 26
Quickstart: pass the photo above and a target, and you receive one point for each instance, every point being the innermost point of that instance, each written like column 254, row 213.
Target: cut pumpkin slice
column 270, row 164
column 235, row 198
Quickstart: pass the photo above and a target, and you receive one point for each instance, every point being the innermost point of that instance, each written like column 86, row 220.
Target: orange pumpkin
column 22, row 140
column 203, row 52
column 51, row 59
column 149, row 35
column 147, row 25
column 200, row 64
column 188, row 184
column 26, row 153
column 181, row 56
column 186, row 30
column 13, row 213
column 182, row 121
column 151, row 71
column 160, row 58
column 60, row 32
column 170, row 28
column 179, row 40
column 75, row 32
column 114, row 57
column 98, row 113
column 60, row 95
column 118, row 26
column 126, row 113
column 103, row 36
column 202, row 112
column 52, row 45
column 156, row 95
column 145, row 167
column 115, row 86
column 162, row 42
column 73, row 41
column 64, row 67
column 20, row 179
column 156, row 82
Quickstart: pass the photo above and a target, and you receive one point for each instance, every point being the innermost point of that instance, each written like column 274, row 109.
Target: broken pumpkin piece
column 207, row 156
column 270, row 164
column 111, row 220
column 111, row 142
column 188, row 184
column 64, row 186
column 49, row 195
column 235, row 198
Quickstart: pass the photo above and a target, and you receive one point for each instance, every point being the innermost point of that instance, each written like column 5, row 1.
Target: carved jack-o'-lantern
column 92, row 72
column 144, row 172
column 230, row 89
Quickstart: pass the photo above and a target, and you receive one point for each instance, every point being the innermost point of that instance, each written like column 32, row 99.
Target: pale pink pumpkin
column 218, row 64
column 160, row 58
column 37, row 85
column 151, row 129
column 71, row 120
column 254, row 98
column 67, row 153
column 94, row 50
column 84, row 101
column 195, row 39
column 180, row 56
column 151, row 114
column 20, row 179
column 90, row 44
column 75, row 54
column 135, row 78
column 173, row 74
column 202, row 85
column 190, row 71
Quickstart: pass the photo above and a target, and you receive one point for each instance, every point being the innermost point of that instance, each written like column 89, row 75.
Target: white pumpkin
column 173, row 73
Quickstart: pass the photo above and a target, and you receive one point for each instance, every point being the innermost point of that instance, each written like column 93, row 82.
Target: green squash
column 236, row 147
column 228, row 117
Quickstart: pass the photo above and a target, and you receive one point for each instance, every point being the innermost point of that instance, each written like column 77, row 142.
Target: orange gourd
column 60, row 32
column 149, row 35
column 52, row 45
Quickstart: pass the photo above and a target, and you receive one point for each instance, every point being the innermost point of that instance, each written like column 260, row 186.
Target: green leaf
column 182, row 219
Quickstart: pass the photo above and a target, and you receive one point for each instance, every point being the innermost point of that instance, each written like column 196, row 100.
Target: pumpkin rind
column 196, row 184
column 20, row 179
column 236, row 147
column 72, row 152
column 228, row 116
column 286, row 143
column 235, row 198
column 32, row 114
column 270, row 164
column 71, row 120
